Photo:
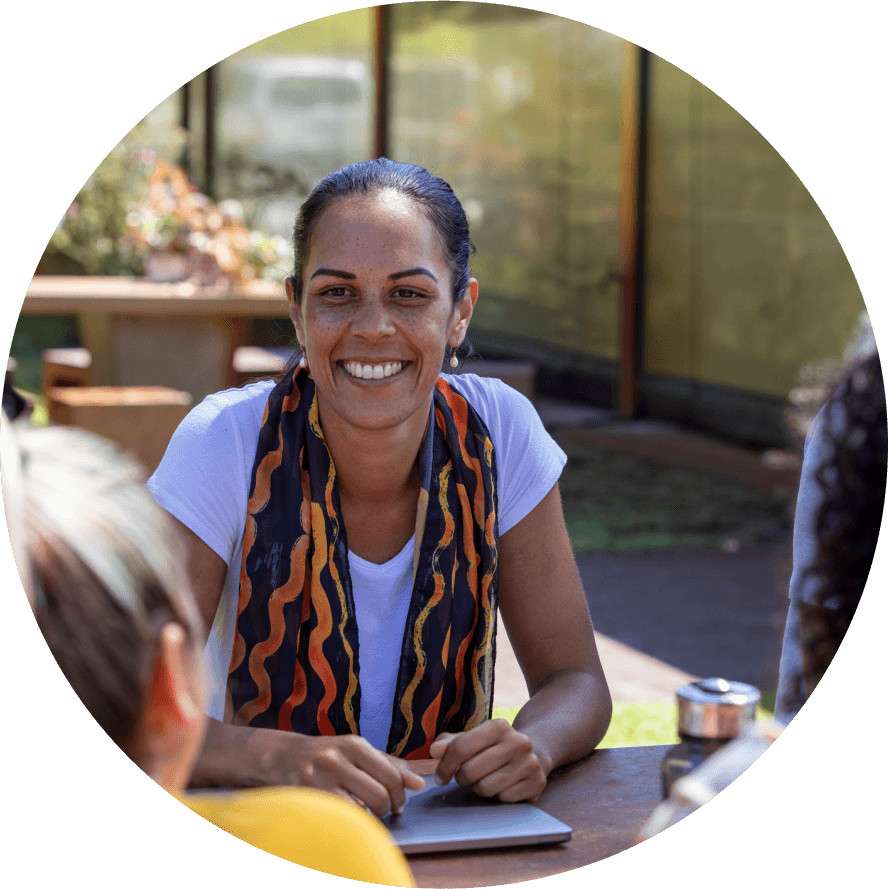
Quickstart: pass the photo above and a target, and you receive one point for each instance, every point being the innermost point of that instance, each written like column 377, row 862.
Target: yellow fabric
column 308, row 827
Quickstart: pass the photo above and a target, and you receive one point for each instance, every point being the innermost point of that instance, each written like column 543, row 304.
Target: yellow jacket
column 308, row 827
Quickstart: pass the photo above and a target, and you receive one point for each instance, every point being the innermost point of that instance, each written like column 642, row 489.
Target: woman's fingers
column 495, row 760
column 349, row 765
column 410, row 779
column 471, row 755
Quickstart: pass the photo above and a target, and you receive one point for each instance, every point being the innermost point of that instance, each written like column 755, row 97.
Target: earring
column 303, row 363
column 454, row 361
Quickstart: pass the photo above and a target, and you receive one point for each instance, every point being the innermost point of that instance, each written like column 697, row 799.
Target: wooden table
column 143, row 333
column 605, row 799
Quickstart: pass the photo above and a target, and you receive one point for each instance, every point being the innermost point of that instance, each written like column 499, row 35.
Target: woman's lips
column 373, row 371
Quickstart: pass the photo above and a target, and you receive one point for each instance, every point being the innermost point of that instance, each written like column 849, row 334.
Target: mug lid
column 716, row 707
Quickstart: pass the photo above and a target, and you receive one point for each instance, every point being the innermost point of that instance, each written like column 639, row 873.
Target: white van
column 306, row 113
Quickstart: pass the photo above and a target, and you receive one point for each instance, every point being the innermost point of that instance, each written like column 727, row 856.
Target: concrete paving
column 664, row 617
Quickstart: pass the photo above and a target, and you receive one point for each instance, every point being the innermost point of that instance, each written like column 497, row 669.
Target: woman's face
column 376, row 310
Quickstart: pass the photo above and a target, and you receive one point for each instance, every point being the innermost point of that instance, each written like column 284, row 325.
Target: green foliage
column 643, row 725
column 93, row 232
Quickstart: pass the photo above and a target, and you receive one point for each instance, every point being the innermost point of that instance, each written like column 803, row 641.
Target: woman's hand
column 348, row 766
column 494, row 759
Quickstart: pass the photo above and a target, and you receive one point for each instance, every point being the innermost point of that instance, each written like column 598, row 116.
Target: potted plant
column 139, row 214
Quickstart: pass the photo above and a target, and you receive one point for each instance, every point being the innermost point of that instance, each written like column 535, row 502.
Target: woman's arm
column 345, row 765
column 206, row 574
column 544, row 609
column 240, row 756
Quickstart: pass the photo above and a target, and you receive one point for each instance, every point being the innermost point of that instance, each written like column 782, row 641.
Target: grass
column 39, row 417
column 31, row 336
column 614, row 502
column 643, row 725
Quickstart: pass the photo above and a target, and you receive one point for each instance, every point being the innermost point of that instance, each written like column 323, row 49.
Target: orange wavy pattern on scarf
column 459, row 409
column 300, row 684
column 258, row 501
column 407, row 700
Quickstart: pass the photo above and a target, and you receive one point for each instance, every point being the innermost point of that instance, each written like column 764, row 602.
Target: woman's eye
column 407, row 294
column 336, row 292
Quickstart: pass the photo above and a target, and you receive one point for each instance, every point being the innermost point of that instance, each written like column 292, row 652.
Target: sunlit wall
column 745, row 281
column 520, row 112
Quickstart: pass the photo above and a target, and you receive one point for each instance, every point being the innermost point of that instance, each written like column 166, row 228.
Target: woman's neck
column 378, row 481
column 376, row 464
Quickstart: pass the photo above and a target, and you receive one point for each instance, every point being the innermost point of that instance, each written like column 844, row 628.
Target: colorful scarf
column 295, row 662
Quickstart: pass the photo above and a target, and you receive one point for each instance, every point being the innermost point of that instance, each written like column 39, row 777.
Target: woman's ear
column 292, row 299
column 463, row 310
column 172, row 722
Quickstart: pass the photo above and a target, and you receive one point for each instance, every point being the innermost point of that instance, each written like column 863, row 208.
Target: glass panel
column 520, row 112
column 745, row 280
column 291, row 109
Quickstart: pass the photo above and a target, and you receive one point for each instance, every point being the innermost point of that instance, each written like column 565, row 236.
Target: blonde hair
column 99, row 561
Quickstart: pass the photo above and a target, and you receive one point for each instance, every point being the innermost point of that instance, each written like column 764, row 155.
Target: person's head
column 366, row 178
column 852, row 480
column 106, row 580
column 381, row 286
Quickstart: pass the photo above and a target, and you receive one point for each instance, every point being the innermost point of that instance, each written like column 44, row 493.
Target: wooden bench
column 65, row 367
column 254, row 363
column 141, row 419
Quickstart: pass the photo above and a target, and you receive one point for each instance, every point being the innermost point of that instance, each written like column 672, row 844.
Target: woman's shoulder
column 220, row 429
column 230, row 407
column 243, row 400
column 491, row 397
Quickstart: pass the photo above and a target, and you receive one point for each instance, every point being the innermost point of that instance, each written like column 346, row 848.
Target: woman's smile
column 373, row 370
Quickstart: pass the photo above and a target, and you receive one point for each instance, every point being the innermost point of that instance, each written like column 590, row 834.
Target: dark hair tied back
column 364, row 178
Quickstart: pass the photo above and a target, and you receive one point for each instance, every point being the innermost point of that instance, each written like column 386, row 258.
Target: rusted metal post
column 210, row 131
column 633, row 197
column 381, row 34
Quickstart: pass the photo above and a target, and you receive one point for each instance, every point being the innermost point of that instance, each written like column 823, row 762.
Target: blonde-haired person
column 105, row 577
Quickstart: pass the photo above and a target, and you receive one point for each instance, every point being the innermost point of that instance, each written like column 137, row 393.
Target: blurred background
column 652, row 273
column 545, row 128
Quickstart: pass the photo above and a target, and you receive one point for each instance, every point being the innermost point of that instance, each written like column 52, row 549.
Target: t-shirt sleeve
column 201, row 479
column 528, row 460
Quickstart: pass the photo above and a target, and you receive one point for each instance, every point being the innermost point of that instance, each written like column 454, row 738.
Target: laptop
column 454, row 818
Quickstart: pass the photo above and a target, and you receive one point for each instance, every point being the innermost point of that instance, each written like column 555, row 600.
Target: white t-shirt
column 204, row 481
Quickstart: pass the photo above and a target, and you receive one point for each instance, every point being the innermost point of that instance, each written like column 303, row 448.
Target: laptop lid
column 453, row 818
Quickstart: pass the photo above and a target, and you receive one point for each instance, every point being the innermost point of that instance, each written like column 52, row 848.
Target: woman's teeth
column 373, row 371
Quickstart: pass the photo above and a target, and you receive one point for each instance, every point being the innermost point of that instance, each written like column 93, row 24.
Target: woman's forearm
column 236, row 756
column 566, row 718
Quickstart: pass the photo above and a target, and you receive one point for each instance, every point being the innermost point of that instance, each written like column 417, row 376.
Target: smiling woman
column 355, row 527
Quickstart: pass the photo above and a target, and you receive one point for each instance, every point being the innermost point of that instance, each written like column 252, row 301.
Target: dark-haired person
column 104, row 572
column 354, row 527
column 837, row 523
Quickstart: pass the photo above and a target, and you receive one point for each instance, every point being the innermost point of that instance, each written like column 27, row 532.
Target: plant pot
column 166, row 267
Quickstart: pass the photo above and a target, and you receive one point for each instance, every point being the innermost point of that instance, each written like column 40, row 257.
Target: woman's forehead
column 371, row 227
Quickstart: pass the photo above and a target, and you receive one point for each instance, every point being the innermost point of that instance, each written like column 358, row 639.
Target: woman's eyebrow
column 410, row 272
column 333, row 273
column 394, row 276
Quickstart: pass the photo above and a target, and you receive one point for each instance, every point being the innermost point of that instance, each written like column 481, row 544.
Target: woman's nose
column 372, row 319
